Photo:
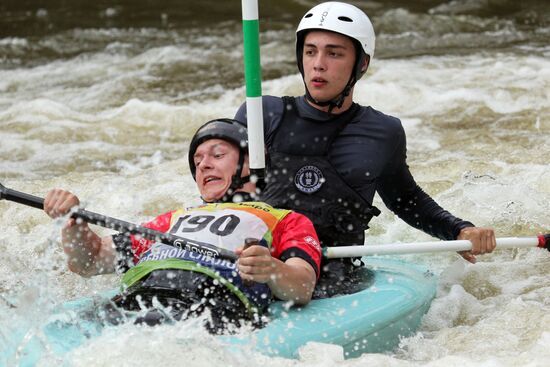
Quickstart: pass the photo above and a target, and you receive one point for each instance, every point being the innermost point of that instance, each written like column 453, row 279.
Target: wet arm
column 293, row 264
column 404, row 197
column 88, row 254
column 291, row 280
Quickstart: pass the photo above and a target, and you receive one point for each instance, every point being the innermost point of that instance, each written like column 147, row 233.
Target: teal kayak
column 370, row 321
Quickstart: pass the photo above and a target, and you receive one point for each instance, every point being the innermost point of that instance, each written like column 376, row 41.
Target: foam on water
column 477, row 129
column 505, row 83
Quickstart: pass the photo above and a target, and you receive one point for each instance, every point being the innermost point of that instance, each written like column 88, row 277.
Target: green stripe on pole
column 252, row 70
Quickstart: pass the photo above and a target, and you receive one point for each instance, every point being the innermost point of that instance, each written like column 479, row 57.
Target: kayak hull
column 373, row 320
column 370, row 321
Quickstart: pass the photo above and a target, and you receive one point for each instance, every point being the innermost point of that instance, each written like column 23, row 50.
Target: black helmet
column 229, row 130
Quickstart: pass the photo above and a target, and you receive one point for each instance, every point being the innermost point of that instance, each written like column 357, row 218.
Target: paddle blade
column 544, row 241
column 2, row 191
column 21, row 197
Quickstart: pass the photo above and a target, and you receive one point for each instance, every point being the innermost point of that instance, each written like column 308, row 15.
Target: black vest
column 300, row 177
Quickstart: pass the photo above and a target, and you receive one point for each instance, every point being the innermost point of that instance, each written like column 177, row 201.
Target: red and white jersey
column 226, row 225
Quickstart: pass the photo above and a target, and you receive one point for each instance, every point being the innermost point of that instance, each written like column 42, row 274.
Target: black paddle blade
column 21, row 197
column 544, row 241
column 2, row 191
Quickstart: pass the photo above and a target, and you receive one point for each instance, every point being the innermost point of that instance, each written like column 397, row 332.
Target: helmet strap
column 336, row 102
column 237, row 182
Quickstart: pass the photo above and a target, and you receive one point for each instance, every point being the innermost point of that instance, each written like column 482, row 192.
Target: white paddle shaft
column 422, row 247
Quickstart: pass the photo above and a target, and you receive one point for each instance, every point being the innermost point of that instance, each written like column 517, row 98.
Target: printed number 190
column 222, row 226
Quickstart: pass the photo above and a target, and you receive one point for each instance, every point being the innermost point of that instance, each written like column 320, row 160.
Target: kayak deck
column 370, row 321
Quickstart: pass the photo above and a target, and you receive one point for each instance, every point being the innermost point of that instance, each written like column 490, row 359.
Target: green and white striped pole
column 253, row 81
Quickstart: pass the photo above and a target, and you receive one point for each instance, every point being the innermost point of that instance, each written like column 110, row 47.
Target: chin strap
column 337, row 101
column 237, row 182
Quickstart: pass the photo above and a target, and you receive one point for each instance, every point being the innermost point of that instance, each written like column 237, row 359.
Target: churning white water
column 101, row 125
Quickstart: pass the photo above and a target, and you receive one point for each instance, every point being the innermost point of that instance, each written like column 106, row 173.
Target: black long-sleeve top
column 370, row 154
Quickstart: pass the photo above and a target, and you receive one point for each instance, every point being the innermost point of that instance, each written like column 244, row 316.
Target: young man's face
column 328, row 61
column 216, row 162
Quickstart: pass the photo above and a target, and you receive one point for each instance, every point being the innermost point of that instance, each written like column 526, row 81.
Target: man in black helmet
column 282, row 261
column 329, row 155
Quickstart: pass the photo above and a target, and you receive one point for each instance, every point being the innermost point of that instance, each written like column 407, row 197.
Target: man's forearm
column 293, row 280
column 419, row 210
column 88, row 254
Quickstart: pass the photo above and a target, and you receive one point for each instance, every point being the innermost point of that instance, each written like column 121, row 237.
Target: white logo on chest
column 309, row 179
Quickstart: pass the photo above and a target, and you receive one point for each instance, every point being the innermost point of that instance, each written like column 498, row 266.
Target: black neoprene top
column 369, row 154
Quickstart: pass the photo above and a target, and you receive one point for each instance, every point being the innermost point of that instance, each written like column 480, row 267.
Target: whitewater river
column 103, row 99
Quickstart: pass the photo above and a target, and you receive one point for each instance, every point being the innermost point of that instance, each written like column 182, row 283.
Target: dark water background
column 35, row 33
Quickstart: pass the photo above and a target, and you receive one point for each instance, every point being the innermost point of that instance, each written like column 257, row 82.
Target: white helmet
column 341, row 18
column 344, row 19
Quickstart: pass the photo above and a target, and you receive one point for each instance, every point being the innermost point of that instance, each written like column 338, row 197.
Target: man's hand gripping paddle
column 121, row 226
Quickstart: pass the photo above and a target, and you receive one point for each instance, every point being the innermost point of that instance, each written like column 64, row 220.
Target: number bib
column 224, row 225
column 227, row 225
column 226, row 229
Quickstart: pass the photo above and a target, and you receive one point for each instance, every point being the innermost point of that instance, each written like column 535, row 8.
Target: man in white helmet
column 329, row 155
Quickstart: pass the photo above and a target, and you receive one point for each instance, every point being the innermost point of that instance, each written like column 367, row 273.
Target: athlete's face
column 216, row 161
column 328, row 61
